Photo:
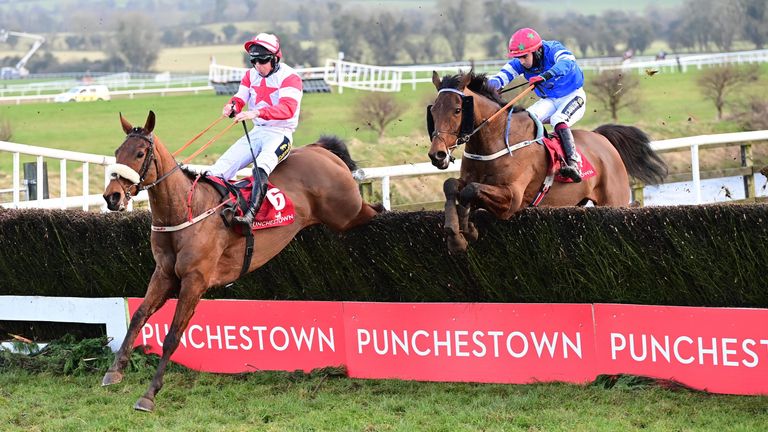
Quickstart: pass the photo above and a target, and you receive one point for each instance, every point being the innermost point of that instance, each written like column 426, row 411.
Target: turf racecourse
column 272, row 401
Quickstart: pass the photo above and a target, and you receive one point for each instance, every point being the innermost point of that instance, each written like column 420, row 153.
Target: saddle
column 276, row 209
column 556, row 159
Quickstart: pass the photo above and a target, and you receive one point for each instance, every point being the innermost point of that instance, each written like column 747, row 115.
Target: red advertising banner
column 480, row 342
column 720, row 350
column 245, row 336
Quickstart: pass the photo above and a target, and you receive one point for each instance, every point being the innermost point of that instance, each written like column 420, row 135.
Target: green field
column 272, row 401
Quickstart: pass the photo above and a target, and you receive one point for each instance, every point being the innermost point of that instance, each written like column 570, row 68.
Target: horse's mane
column 478, row 83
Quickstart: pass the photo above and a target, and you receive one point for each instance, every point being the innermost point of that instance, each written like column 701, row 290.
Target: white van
column 84, row 93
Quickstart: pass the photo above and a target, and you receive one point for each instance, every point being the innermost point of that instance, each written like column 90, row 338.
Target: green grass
column 275, row 401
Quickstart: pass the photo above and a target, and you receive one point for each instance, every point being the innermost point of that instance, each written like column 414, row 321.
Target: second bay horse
column 205, row 254
column 507, row 174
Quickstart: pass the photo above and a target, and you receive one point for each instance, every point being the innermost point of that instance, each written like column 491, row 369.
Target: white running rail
column 86, row 200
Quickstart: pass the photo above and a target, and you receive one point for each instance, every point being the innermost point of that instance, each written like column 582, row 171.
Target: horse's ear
column 465, row 79
column 127, row 127
column 436, row 79
column 149, row 126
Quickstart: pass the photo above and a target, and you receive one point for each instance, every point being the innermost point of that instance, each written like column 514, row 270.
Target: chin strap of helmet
column 537, row 56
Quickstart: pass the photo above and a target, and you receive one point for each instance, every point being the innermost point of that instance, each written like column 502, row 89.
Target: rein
column 462, row 139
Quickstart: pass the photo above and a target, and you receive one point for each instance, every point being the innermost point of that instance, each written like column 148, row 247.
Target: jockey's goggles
column 261, row 59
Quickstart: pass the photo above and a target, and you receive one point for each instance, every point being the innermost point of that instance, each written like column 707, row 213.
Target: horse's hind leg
column 192, row 288
column 453, row 220
column 160, row 288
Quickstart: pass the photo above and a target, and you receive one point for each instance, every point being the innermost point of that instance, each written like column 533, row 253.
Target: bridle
column 467, row 128
column 117, row 171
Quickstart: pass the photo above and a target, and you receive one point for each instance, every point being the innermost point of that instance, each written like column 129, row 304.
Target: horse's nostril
column 440, row 155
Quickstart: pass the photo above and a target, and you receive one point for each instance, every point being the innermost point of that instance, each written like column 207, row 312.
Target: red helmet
column 266, row 40
column 524, row 41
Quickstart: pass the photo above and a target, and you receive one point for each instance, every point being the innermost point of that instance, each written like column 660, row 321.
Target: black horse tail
column 635, row 150
column 338, row 147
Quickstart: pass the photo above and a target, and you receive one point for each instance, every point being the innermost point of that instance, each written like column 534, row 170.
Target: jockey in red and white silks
column 559, row 84
column 272, row 92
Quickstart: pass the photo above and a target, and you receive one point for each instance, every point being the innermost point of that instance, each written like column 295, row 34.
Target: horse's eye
column 458, row 110
column 139, row 155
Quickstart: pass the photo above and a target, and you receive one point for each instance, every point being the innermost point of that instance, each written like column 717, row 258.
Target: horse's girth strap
column 192, row 221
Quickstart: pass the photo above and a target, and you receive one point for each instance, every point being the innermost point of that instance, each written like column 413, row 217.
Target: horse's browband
column 452, row 90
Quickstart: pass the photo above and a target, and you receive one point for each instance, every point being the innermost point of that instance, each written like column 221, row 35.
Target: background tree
column 610, row 30
column 755, row 17
column 386, row 35
column 454, row 25
column 717, row 82
column 135, row 42
column 292, row 50
column 416, row 51
column 173, row 37
column 579, row 28
column 252, row 5
column 305, row 18
column 201, row 36
column 229, row 32
column 725, row 20
column 377, row 110
column 347, row 29
column 504, row 17
column 695, row 26
column 639, row 34
column 615, row 91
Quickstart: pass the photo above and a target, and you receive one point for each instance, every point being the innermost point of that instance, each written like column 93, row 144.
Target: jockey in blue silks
column 558, row 79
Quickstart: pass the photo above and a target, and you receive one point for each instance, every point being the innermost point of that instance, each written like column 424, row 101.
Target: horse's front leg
column 192, row 289
column 503, row 201
column 160, row 288
column 453, row 220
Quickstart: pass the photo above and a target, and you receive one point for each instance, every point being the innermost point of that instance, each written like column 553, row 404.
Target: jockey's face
column 263, row 69
column 262, row 61
column 526, row 60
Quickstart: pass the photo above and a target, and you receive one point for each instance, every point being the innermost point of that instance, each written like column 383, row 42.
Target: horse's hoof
column 471, row 234
column 457, row 244
column 111, row 378
column 144, row 404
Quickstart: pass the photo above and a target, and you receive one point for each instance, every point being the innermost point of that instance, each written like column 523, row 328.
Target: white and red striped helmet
column 268, row 41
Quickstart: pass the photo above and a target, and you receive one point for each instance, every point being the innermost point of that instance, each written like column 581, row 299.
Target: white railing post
column 85, row 185
column 385, row 201
column 695, row 171
column 63, row 181
column 16, row 183
column 39, row 180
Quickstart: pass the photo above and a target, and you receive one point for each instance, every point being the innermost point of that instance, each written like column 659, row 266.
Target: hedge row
column 713, row 255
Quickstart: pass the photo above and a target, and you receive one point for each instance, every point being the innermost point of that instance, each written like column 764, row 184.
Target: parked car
column 84, row 93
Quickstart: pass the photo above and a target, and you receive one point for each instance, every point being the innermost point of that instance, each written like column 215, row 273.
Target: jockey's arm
column 242, row 94
column 565, row 62
column 507, row 73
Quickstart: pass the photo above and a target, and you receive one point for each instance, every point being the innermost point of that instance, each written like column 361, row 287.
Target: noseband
column 116, row 171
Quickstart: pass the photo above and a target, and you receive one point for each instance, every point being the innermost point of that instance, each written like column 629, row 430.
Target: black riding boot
column 257, row 196
column 571, row 170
